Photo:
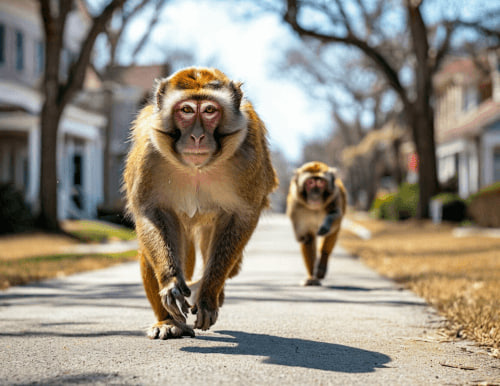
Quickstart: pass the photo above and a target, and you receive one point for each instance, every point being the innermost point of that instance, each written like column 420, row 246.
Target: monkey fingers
column 323, row 230
column 327, row 224
column 321, row 271
column 204, row 317
column 169, row 329
column 172, row 298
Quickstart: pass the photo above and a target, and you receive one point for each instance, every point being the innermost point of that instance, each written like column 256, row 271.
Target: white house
column 80, row 139
column 467, row 122
column 131, row 87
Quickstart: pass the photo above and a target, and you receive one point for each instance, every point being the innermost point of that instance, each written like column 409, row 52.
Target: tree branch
column 444, row 48
column 154, row 20
column 391, row 75
column 344, row 16
column 490, row 32
column 77, row 71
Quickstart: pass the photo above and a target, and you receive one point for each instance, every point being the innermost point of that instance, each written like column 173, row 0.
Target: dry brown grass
column 22, row 271
column 38, row 256
column 458, row 276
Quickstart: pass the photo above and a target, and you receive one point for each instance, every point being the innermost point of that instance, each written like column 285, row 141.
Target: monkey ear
column 159, row 92
column 332, row 172
column 300, row 178
column 237, row 94
column 295, row 179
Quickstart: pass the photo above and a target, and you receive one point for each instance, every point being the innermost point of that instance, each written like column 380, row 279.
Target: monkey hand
column 328, row 222
column 206, row 314
column 173, row 297
column 323, row 230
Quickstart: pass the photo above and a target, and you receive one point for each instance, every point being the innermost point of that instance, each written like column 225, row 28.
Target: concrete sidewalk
column 356, row 329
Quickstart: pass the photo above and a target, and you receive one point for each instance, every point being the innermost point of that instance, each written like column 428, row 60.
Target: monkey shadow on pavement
column 295, row 352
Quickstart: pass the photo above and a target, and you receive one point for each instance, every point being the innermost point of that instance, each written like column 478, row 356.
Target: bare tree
column 58, row 91
column 114, row 33
column 364, row 91
column 426, row 49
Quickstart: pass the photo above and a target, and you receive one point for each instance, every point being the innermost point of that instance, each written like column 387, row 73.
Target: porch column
column 490, row 140
column 34, row 164
column 463, row 174
column 64, row 173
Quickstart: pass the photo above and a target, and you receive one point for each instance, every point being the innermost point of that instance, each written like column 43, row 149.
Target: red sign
column 413, row 162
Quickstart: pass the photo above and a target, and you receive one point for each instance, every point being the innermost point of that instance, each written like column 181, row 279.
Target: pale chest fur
column 196, row 192
column 310, row 220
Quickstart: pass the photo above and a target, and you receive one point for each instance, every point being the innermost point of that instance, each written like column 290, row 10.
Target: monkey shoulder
column 252, row 165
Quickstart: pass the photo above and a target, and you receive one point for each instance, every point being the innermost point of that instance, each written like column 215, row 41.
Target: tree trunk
column 423, row 135
column 50, row 118
column 108, row 103
column 373, row 178
column 398, row 171
column 58, row 93
column 422, row 114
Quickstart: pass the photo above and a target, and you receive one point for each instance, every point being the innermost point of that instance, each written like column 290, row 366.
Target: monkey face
column 203, row 121
column 314, row 184
column 196, row 121
column 316, row 191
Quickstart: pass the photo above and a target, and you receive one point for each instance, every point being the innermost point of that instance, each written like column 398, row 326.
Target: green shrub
column 376, row 204
column 15, row 215
column 407, row 201
column 384, row 207
column 400, row 205
column 388, row 208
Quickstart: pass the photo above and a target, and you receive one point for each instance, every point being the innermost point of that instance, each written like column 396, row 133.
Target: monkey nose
column 197, row 140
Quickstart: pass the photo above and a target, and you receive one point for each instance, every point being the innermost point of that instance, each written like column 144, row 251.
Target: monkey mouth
column 196, row 157
column 314, row 203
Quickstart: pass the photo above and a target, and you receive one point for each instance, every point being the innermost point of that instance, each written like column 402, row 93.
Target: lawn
column 38, row 256
column 460, row 277
column 22, row 271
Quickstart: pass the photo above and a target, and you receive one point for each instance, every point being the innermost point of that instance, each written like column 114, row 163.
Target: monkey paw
column 173, row 299
column 205, row 316
column 321, row 271
column 310, row 282
column 169, row 329
column 323, row 230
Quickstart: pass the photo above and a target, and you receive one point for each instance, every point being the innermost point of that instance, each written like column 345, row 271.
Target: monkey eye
column 320, row 183
column 310, row 183
column 210, row 109
column 187, row 109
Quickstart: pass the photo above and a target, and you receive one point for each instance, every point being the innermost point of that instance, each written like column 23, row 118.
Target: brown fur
column 308, row 220
column 175, row 204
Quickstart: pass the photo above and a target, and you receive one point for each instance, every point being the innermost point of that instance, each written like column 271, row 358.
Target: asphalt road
column 356, row 329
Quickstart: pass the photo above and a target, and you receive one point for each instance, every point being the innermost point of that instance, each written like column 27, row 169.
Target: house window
column 40, row 58
column 19, row 51
column 470, row 98
column 2, row 44
column 77, row 194
column 496, row 165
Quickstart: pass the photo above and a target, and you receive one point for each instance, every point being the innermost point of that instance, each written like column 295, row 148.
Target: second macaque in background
column 316, row 204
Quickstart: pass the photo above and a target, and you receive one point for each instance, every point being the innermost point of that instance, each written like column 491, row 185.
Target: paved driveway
column 356, row 329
